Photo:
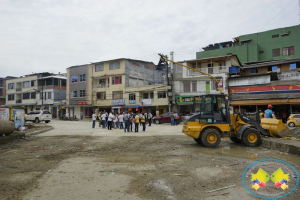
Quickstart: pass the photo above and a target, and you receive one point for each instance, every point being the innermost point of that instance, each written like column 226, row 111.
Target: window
column 41, row 95
column 275, row 52
column 99, row 67
column 49, row 95
column 102, row 81
column 287, row 51
column 26, row 96
column 132, row 96
column 272, row 68
column 74, row 93
column 285, row 34
column 11, row 97
column 114, row 65
column 33, row 83
column 116, row 80
column 32, row 95
column 82, row 77
column 74, row 79
column 10, row 86
column 161, row 95
column 151, row 95
column 81, row 93
column 261, row 52
column 118, row 95
column 101, row 95
column 26, row 84
column 275, row 36
column 145, row 95
column 186, row 86
column 253, row 70
column 210, row 65
column 297, row 116
column 194, row 86
column 63, row 82
column 245, row 42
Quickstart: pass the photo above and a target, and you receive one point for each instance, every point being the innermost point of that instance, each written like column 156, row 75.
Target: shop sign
column 187, row 99
column 289, row 76
column 146, row 102
column 132, row 102
column 220, row 86
column 4, row 113
column 81, row 103
column 255, row 80
column 266, row 89
column 118, row 102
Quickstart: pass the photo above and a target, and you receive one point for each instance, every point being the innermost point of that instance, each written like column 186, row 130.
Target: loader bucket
column 276, row 127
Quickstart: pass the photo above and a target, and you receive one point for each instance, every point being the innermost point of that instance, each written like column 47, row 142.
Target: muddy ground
column 128, row 167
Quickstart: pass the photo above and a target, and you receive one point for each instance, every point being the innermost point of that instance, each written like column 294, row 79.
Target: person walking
column 94, row 116
column 121, row 117
column 126, row 121
column 99, row 119
column 103, row 119
column 106, row 124
column 172, row 119
column 110, row 121
column 137, row 121
column 130, row 121
column 116, row 121
column 269, row 112
column 81, row 115
column 140, row 117
column 175, row 118
column 149, row 117
column 143, row 120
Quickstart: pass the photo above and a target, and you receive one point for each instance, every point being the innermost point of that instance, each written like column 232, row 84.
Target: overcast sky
column 52, row 35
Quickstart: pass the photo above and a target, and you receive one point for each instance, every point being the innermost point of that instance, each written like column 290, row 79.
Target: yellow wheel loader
column 214, row 122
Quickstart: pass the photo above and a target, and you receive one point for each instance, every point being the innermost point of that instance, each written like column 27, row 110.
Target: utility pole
column 173, row 85
column 168, row 85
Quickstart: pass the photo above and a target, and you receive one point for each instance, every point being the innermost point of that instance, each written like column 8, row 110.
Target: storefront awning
column 265, row 102
column 133, row 106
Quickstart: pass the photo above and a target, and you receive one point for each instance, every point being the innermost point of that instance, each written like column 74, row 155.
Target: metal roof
column 269, row 63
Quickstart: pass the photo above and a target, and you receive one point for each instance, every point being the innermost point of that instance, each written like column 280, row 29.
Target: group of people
column 124, row 120
column 271, row 114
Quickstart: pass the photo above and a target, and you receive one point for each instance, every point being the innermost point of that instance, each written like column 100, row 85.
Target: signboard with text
column 132, row 102
column 186, row 99
column 146, row 102
column 4, row 113
column 118, row 102
column 266, row 89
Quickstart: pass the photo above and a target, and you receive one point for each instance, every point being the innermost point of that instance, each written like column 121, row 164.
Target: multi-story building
column 191, row 83
column 2, row 91
column 36, row 91
column 277, row 44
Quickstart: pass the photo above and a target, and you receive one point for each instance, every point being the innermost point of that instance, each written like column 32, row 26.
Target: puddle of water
column 229, row 149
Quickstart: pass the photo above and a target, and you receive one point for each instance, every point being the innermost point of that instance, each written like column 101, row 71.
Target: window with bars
column 275, row 52
column 82, row 77
column 33, row 95
column 145, row 95
column 118, row 95
column 151, row 95
column 81, row 93
column 26, row 84
column 49, row 95
column 99, row 67
column 11, row 97
column 116, row 80
column 132, row 96
column 101, row 95
column 161, row 95
column 26, row 96
column 287, row 51
column 114, row 65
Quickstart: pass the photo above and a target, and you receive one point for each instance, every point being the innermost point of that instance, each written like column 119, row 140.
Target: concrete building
column 79, row 91
column 277, row 44
column 120, row 84
column 2, row 91
column 190, row 83
column 37, row 91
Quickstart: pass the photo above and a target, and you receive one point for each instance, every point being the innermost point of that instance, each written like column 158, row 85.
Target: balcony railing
column 18, row 89
column 101, row 86
column 208, row 70
column 19, row 101
column 45, row 87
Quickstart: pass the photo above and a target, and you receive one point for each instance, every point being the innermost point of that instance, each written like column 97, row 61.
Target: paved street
column 74, row 161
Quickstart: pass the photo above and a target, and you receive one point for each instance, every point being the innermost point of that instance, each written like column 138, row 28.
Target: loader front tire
column 210, row 138
column 251, row 138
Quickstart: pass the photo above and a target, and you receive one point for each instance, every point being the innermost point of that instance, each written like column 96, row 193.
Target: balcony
column 18, row 89
column 101, row 86
column 19, row 101
column 208, row 70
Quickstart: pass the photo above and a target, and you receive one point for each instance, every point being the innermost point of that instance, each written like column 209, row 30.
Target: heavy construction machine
column 214, row 121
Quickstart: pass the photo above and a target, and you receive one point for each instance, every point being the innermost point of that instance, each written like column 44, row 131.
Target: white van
column 39, row 116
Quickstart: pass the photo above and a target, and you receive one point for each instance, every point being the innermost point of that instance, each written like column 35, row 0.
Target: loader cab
column 213, row 109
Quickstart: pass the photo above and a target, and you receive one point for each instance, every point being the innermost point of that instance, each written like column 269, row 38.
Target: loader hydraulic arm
column 163, row 58
column 255, row 123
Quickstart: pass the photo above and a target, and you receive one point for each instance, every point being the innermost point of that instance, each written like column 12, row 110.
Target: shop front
column 185, row 104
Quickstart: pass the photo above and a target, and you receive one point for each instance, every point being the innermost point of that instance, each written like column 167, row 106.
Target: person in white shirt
column 121, row 117
column 103, row 117
column 94, row 119
column 110, row 120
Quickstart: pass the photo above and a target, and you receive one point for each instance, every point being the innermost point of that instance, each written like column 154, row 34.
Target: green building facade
column 282, row 43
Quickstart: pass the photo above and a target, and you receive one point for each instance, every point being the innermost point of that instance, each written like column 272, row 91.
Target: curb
column 287, row 146
column 41, row 131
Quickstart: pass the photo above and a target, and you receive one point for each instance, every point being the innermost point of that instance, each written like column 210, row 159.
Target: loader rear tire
column 235, row 140
column 210, row 138
column 251, row 138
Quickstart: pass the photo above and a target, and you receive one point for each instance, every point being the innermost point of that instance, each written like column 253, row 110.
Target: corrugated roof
column 269, row 63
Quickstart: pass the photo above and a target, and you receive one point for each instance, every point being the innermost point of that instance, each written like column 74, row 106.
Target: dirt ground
column 126, row 167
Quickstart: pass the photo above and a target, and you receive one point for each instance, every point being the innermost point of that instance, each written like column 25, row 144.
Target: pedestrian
column 81, row 115
column 121, row 118
column 273, row 115
column 268, row 112
column 110, row 121
column 140, row 117
column 116, row 121
column 284, row 117
column 99, row 119
column 106, row 118
column 137, row 121
column 131, row 121
column 143, row 120
column 126, row 120
column 172, row 119
column 94, row 119
column 103, row 117
column 149, row 117
column 175, row 118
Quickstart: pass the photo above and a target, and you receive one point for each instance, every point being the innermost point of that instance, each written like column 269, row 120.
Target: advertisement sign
column 266, row 89
column 187, row 99
column 132, row 102
column 146, row 102
column 220, row 86
column 81, row 103
column 4, row 113
column 118, row 102
column 19, row 117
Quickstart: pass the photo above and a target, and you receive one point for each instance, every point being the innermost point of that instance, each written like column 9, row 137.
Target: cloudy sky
column 52, row 35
